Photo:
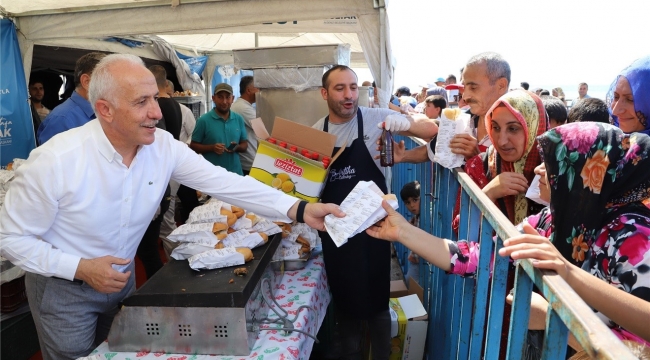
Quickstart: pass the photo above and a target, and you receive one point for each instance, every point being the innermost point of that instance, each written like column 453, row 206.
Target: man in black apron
column 359, row 271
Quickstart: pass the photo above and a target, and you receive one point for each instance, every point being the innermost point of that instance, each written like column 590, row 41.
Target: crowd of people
column 76, row 230
column 594, row 232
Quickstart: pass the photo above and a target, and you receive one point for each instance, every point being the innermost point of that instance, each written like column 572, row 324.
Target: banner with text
column 16, row 127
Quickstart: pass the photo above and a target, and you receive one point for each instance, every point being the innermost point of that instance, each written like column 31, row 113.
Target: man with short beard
column 220, row 135
column 36, row 94
column 359, row 271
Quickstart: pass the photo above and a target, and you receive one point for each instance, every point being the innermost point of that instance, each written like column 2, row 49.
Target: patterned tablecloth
column 302, row 287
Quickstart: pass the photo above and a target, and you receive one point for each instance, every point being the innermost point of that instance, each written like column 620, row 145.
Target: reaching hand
column 219, row 148
column 100, row 275
column 464, row 144
column 390, row 227
column 539, row 249
column 506, row 184
column 395, row 123
column 315, row 213
column 399, row 151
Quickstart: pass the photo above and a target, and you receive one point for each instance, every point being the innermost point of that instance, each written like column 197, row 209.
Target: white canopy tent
column 209, row 27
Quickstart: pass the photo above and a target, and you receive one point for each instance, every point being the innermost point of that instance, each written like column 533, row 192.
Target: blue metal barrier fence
column 465, row 318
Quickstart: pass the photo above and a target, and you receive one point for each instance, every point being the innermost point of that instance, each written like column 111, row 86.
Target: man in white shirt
column 244, row 107
column 81, row 202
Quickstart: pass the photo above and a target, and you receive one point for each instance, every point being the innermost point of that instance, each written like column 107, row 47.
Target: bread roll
column 264, row 237
column 219, row 245
column 253, row 218
column 248, row 254
column 218, row 227
column 239, row 212
column 221, row 235
column 232, row 218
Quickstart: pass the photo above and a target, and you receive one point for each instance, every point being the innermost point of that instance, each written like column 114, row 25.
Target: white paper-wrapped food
column 452, row 122
column 185, row 251
column 217, row 258
column 195, row 233
column 267, row 226
column 242, row 238
column 208, row 213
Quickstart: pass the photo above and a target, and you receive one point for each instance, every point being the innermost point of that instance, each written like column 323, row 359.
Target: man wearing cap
column 437, row 88
column 220, row 135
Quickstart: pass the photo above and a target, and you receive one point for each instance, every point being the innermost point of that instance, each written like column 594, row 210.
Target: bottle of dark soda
column 386, row 151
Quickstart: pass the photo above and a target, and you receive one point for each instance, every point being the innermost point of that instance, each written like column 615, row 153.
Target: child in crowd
column 410, row 195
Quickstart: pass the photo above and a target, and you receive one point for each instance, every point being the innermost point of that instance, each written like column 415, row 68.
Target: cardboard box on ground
column 289, row 171
column 409, row 321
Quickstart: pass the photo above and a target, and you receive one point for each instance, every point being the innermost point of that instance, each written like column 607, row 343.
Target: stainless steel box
column 304, row 107
column 292, row 56
column 296, row 78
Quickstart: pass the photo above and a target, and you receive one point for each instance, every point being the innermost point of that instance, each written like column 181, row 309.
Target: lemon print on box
column 283, row 182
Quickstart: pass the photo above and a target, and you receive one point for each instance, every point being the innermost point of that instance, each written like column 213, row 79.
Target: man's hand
column 399, row 150
column 395, row 123
column 100, row 275
column 219, row 148
column 390, row 227
column 506, row 184
column 232, row 148
column 315, row 213
column 464, row 144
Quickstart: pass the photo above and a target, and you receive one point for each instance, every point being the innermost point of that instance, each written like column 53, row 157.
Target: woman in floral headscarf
column 513, row 123
column 507, row 168
column 629, row 98
column 599, row 179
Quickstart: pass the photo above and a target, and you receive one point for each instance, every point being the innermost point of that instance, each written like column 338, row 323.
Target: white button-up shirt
column 74, row 198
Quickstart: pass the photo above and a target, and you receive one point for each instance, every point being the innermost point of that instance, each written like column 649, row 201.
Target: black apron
column 358, row 271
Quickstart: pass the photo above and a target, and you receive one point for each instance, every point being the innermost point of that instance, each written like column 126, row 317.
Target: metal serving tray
column 183, row 311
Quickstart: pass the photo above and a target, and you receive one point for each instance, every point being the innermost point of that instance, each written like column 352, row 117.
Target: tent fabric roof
column 212, row 26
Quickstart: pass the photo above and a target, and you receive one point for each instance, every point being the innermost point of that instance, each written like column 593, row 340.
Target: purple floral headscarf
column 595, row 172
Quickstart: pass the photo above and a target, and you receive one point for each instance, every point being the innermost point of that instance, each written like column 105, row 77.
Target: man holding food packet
column 80, row 204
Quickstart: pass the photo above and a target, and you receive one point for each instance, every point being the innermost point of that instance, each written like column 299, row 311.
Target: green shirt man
column 220, row 134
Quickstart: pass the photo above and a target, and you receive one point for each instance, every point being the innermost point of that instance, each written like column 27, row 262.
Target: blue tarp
column 196, row 64
column 16, row 127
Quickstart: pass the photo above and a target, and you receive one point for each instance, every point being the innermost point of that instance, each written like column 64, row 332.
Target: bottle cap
column 293, row 148
column 283, row 144
column 272, row 140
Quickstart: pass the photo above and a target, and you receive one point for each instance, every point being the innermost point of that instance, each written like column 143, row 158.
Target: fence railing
column 466, row 314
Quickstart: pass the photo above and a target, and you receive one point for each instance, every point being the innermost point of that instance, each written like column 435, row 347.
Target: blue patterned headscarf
column 638, row 75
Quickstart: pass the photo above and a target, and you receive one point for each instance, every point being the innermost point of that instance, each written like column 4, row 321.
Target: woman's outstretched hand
column 390, row 227
column 539, row 249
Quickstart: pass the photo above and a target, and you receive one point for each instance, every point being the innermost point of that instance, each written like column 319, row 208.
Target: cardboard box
column 409, row 323
column 408, row 328
column 398, row 289
column 289, row 171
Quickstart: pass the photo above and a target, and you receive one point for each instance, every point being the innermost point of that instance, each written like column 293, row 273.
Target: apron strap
column 359, row 124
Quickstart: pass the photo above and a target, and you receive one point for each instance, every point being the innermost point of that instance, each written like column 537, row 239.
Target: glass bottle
column 386, row 152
